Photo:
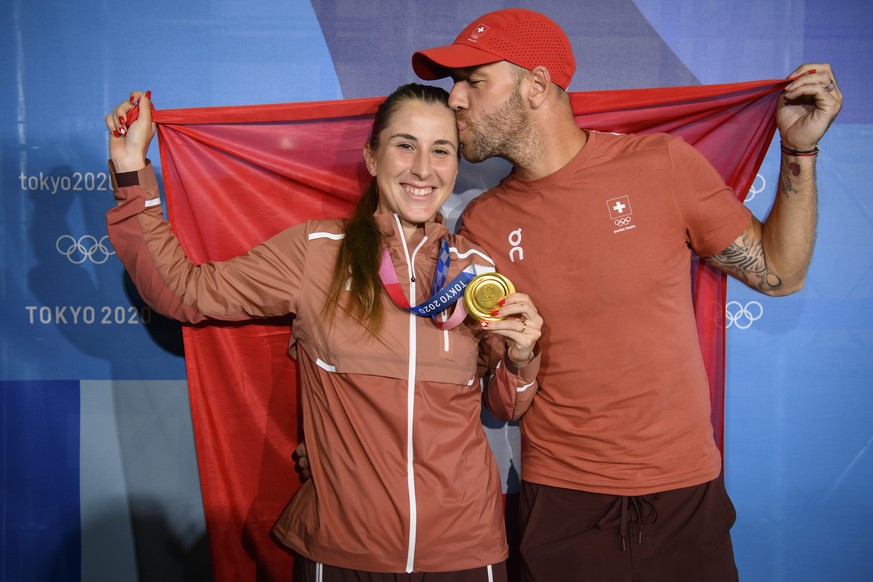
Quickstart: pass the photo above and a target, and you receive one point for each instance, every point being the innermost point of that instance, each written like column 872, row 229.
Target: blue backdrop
column 99, row 472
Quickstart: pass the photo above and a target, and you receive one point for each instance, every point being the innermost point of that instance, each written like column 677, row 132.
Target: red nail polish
column 148, row 94
column 495, row 312
column 131, row 98
column 115, row 133
column 501, row 302
column 121, row 119
column 483, row 323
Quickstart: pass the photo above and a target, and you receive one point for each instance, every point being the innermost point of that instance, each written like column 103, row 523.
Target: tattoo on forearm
column 789, row 169
column 744, row 259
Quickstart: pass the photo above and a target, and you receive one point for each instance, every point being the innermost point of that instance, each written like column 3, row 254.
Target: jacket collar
column 435, row 231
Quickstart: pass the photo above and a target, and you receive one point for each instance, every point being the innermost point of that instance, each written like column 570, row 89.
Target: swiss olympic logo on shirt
column 620, row 212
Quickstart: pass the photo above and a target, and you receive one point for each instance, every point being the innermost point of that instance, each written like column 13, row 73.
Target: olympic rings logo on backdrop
column 742, row 316
column 87, row 248
column 755, row 189
column 622, row 221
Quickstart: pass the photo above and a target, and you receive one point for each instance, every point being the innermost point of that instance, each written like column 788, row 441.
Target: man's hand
column 808, row 106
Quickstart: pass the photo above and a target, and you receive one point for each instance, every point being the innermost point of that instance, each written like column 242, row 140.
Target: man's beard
column 500, row 134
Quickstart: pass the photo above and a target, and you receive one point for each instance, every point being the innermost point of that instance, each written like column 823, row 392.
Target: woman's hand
column 131, row 131
column 521, row 326
column 301, row 461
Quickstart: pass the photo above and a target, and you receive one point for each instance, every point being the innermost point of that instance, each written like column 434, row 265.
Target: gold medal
column 482, row 294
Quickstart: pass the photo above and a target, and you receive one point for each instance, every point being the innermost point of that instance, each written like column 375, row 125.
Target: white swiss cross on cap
column 478, row 32
column 619, row 207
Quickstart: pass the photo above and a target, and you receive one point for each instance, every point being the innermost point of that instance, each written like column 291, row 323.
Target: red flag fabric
column 233, row 176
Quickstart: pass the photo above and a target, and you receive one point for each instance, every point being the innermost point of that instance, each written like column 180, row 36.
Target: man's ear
column 540, row 86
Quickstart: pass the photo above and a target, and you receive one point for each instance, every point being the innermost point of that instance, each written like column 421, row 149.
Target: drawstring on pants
column 628, row 509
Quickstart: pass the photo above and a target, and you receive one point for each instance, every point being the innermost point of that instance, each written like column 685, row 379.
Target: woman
column 403, row 479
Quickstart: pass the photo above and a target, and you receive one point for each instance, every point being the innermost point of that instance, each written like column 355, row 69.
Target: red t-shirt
column 603, row 247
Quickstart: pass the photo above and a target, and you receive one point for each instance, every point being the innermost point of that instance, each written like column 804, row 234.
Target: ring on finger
column 830, row 86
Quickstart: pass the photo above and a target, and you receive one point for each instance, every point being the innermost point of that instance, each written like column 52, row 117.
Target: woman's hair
column 360, row 251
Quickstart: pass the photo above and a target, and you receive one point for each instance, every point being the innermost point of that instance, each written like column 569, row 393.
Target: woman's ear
column 370, row 160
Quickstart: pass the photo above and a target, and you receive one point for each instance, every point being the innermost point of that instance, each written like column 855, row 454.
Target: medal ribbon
column 442, row 295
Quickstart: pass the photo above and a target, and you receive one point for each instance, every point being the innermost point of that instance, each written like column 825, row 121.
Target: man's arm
column 773, row 257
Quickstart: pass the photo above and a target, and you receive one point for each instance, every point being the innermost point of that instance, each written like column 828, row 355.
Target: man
column 621, row 473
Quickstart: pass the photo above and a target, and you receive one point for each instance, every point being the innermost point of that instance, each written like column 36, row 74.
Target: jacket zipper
column 410, row 401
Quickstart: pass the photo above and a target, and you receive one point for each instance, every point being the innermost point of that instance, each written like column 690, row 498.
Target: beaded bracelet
column 794, row 152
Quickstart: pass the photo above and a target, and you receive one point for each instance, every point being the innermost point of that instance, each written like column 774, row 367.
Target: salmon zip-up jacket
column 403, row 478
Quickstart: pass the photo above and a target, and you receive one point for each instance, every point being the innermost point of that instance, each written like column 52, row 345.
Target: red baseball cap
column 522, row 37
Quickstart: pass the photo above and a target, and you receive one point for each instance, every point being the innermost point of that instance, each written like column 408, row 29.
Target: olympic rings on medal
column 84, row 249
